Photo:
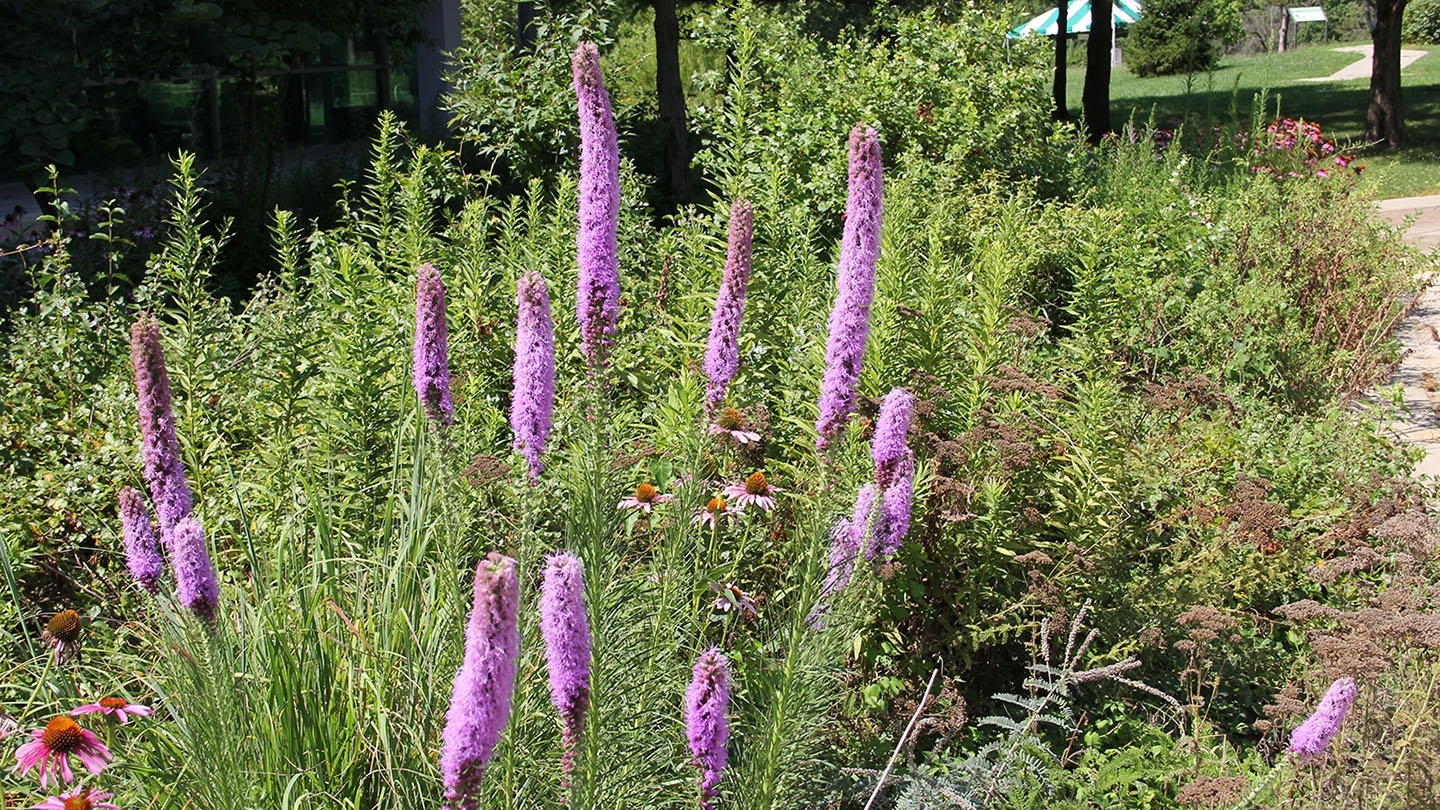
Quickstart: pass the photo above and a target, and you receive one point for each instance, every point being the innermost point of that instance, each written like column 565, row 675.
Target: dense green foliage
column 1422, row 22
column 1181, row 36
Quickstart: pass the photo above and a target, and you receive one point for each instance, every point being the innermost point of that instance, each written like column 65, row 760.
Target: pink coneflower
column 62, row 633
column 732, row 424
column 711, row 513
column 755, row 491
column 61, row 739
column 8, row 725
column 115, row 707
column 732, row 598
column 645, row 497
column 79, row 799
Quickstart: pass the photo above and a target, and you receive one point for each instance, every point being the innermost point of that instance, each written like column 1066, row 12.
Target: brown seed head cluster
column 65, row 626
column 62, row 735
column 756, row 484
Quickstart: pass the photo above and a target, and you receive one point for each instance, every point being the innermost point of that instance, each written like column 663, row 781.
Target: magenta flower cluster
column 533, row 401
column 722, row 353
column 706, row 702
column 164, row 470
column 480, row 699
column 142, row 552
column 1311, row 739
column 598, row 294
column 431, row 355
column 566, row 630
column 855, row 283
column 195, row 584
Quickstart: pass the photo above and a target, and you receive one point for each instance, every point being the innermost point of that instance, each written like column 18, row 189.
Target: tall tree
column 1385, row 119
column 1096, row 96
column 671, row 94
column 1062, row 8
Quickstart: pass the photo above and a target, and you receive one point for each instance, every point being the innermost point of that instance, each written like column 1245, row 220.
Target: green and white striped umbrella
column 1077, row 20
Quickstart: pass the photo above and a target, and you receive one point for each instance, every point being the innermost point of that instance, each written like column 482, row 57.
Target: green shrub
column 1181, row 36
column 1422, row 22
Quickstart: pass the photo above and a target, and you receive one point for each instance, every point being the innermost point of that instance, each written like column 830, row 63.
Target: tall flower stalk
column 1311, row 739
column 722, row 353
column 892, row 430
column 196, row 586
column 485, row 684
column 533, row 402
column 142, row 555
column 598, row 297
column 566, row 631
column 847, row 536
column 432, row 359
column 164, row 471
column 855, row 283
column 892, row 519
column 706, row 702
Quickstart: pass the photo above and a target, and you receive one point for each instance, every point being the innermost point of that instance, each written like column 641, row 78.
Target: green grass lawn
column 1339, row 107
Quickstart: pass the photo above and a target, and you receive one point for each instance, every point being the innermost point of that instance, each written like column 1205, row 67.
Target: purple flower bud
column 855, row 287
column 432, row 360
column 164, row 471
column 566, row 631
column 891, row 430
column 142, row 554
column 533, row 401
column 893, row 521
column 196, row 587
column 480, row 700
column 722, row 354
column 846, row 538
column 1312, row 738
column 706, row 702
column 598, row 297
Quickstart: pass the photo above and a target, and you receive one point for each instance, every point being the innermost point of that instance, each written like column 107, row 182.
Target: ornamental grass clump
column 142, row 554
column 566, row 630
column 480, row 699
column 706, row 702
column 164, row 471
column 533, row 401
column 722, row 352
column 855, row 287
column 598, row 294
column 432, row 361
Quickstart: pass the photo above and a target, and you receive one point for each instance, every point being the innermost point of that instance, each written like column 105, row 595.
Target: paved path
column 1361, row 69
column 1419, row 372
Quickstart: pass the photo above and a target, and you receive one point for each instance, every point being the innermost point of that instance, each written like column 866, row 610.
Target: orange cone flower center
column 645, row 493
column 81, row 802
column 65, row 625
column 715, row 506
column 755, row 484
column 62, row 735
column 730, row 419
column 113, row 703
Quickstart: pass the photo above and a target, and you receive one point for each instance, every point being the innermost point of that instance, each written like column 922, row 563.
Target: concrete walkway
column 1419, row 371
column 1361, row 69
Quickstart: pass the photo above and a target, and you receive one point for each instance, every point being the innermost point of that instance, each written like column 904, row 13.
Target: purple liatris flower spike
column 480, row 700
column 855, row 287
column 706, row 702
column 533, row 401
column 195, row 584
column 432, row 358
column 846, row 539
column 142, row 555
column 891, row 430
column 566, row 631
column 892, row 521
column 1312, row 738
column 164, row 471
column 722, row 354
column 598, row 297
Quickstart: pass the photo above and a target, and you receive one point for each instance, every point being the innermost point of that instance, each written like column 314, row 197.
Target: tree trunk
column 671, row 93
column 1096, row 96
column 1062, row 110
column 1385, row 119
column 524, row 26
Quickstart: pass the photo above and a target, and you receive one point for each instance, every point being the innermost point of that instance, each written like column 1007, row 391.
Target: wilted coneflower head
column 164, row 471
column 855, row 287
column 893, row 522
column 731, row 423
column 142, row 553
column 566, row 630
column 533, row 401
column 196, row 587
column 1311, row 739
column 892, row 429
column 62, row 633
column 53, row 745
column 722, row 353
column 480, row 699
column 597, row 300
column 432, row 353
column 706, row 702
